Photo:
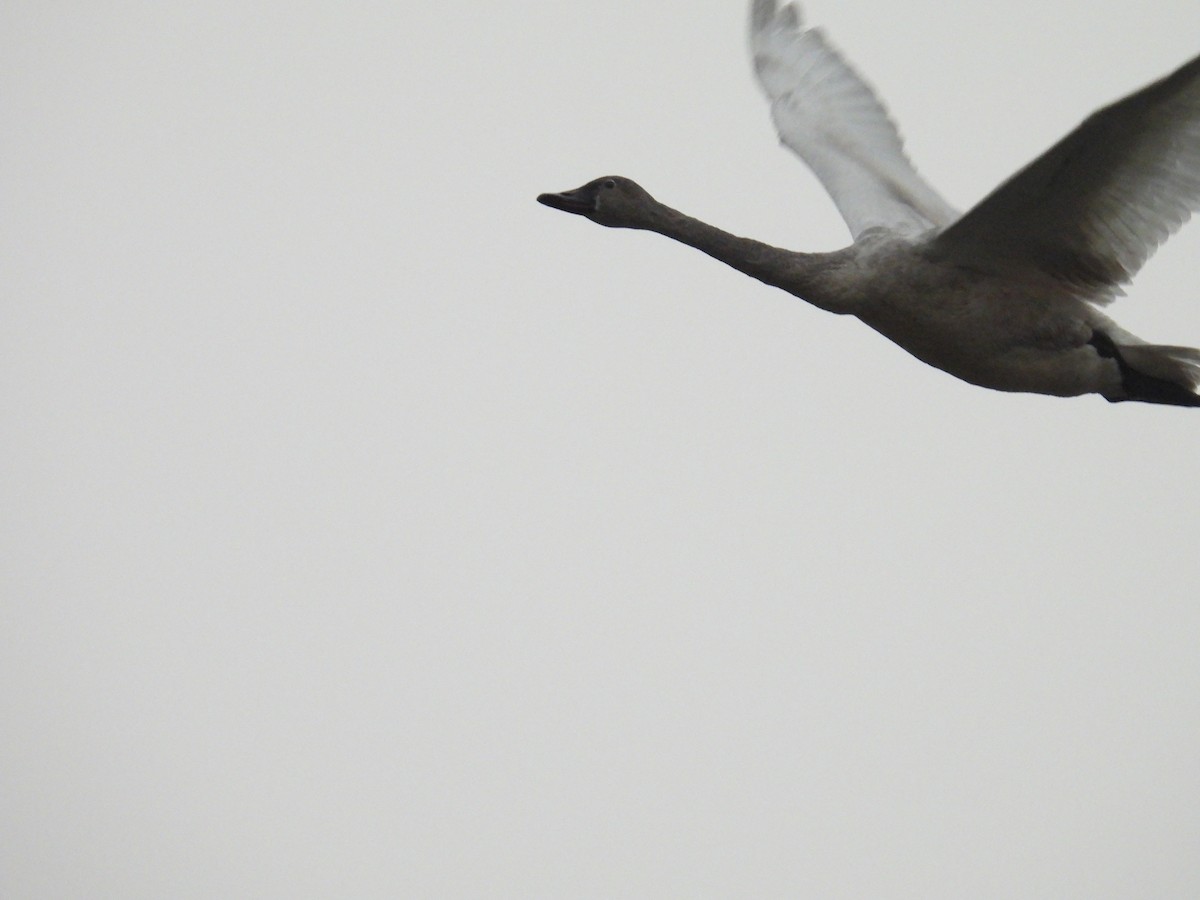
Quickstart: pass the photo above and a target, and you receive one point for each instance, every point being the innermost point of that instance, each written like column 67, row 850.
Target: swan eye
column 609, row 183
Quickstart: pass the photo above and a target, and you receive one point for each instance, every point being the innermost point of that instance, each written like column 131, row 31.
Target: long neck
column 810, row 276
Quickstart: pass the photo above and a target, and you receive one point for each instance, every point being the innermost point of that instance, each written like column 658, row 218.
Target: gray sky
column 372, row 531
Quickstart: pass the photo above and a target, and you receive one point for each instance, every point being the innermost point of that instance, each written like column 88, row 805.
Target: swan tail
column 1153, row 373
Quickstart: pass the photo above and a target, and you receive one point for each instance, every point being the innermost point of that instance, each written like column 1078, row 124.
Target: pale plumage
column 829, row 117
column 1005, row 296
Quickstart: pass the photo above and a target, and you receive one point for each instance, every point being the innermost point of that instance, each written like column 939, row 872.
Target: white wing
column 1094, row 207
column 829, row 117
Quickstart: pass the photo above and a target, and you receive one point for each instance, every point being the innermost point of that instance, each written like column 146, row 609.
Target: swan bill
column 576, row 201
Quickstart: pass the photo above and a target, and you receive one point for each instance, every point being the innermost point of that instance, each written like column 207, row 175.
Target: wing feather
column 1094, row 207
column 828, row 116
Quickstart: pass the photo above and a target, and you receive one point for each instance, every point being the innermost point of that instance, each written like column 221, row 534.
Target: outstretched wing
column 1095, row 206
column 828, row 116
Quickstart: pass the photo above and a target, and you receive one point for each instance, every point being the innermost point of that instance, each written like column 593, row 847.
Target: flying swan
column 1006, row 296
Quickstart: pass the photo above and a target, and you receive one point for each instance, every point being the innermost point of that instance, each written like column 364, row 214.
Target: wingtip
column 765, row 14
column 762, row 12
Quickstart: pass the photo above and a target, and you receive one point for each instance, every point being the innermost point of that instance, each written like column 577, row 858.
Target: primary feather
column 831, row 119
column 1094, row 207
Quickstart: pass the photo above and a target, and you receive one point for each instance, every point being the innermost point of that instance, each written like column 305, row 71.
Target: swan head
column 612, row 201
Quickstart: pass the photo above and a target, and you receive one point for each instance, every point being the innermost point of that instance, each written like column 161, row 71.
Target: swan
column 1007, row 296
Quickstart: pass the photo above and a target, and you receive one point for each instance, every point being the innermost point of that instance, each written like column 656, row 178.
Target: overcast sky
column 372, row 531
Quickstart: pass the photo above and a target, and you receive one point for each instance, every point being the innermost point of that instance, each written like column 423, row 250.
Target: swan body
column 1008, row 295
